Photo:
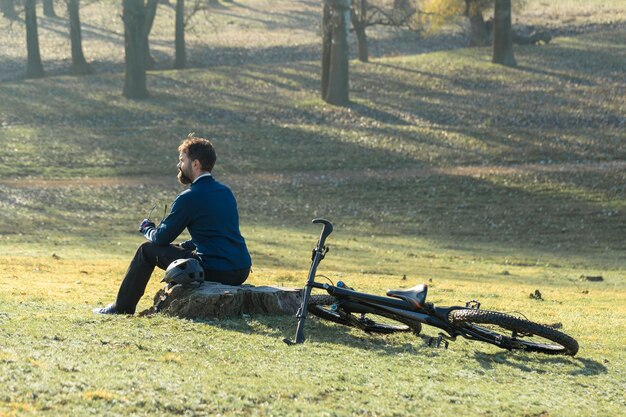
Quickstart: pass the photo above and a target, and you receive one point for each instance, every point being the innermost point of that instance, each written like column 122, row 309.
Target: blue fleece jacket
column 208, row 210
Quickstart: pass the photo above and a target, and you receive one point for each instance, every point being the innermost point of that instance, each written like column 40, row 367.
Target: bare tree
column 338, row 75
column 8, row 9
column 34, row 67
column 503, row 34
column 151, row 9
column 48, row 8
column 327, row 38
column 358, row 17
column 184, row 14
column 365, row 13
column 133, row 15
column 79, row 63
column 479, row 30
column 181, row 55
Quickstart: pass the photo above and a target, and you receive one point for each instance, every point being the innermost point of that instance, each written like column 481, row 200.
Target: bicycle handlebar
column 326, row 231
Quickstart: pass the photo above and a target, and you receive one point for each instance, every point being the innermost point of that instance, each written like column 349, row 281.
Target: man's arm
column 173, row 225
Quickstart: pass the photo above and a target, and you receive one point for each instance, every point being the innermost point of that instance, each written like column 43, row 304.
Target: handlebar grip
column 326, row 231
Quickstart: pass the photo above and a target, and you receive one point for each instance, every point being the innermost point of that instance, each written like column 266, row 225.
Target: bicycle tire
column 320, row 306
column 514, row 333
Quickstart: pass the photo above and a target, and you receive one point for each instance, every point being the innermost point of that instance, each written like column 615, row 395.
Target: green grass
column 486, row 182
column 58, row 357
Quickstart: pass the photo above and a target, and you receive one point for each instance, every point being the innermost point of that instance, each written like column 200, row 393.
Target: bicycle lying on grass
column 406, row 310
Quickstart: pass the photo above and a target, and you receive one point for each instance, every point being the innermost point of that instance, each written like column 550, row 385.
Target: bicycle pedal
column 473, row 304
column 438, row 341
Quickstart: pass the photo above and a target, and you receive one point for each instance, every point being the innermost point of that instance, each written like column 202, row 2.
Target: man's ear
column 195, row 164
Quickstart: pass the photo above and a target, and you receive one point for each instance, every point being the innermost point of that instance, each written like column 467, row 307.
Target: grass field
column 486, row 182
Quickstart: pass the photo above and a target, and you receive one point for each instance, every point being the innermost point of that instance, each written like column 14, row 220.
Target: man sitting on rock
column 208, row 210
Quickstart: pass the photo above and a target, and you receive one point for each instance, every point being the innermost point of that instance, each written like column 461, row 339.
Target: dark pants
column 147, row 257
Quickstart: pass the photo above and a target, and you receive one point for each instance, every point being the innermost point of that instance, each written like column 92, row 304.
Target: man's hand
column 188, row 244
column 145, row 225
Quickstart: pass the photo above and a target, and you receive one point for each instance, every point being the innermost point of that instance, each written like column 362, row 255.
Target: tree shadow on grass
column 319, row 332
column 564, row 77
column 292, row 19
column 579, row 366
column 376, row 114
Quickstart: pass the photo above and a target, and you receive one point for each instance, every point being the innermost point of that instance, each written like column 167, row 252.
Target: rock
column 212, row 300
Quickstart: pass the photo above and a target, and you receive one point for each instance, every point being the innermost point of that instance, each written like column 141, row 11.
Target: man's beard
column 182, row 178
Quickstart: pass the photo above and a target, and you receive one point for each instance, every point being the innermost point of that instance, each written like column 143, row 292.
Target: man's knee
column 160, row 255
column 145, row 246
column 147, row 252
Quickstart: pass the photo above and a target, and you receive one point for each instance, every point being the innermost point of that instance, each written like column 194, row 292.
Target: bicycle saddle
column 415, row 296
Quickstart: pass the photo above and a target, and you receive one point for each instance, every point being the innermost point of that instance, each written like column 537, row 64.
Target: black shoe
column 110, row 309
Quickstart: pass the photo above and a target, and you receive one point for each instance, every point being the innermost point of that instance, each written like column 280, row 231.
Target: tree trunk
column 479, row 32
column 151, row 8
column 327, row 37
column 479, row 35
column 8, row 9
column 79, row 63
column 48, row 8
column 502, row 34
column 181, row 55
column 211, row 300
column 362, row 43
column 359, row 18
column 338, row 77
column 34, row 67
column 402, row 5
column 133, row 15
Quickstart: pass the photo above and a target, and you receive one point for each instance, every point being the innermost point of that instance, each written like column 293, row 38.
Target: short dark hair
column 199, row 149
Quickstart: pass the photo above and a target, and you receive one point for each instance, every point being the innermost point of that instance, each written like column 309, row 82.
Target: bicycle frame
column 359, row 302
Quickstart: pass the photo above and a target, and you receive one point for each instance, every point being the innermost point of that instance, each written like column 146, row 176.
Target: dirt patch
column 88, row 182
column 327, row 176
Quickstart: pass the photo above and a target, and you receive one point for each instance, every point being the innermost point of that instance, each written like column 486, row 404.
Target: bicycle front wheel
column 510, row 332
column 327, row 307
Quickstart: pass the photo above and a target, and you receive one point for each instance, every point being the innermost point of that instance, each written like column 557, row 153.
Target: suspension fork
column 318, row 254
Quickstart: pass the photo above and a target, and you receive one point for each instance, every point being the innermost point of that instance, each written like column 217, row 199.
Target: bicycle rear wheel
column 327, row 307
column 510, row 332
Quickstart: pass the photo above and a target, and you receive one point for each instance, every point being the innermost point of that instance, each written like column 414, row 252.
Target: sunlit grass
column 171, row 365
